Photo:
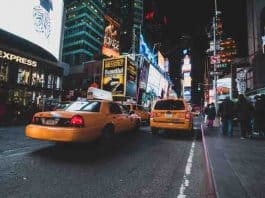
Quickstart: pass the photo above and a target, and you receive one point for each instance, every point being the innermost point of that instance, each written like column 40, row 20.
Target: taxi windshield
column 89, row 106
column 169, row 105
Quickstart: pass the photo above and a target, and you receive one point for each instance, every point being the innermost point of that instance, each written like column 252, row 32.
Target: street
column 131, row 165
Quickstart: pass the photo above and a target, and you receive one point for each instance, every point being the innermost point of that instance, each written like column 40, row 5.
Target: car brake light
column 33, row 120
column 77, row 120
column 152, row 114
column 188, row 115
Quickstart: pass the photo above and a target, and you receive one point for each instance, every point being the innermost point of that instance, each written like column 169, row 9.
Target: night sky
column 194, row 17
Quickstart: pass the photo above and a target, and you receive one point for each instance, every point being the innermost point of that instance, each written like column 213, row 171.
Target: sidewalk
column 238, row 166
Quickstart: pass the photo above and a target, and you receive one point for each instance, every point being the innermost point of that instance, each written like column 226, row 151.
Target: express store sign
column 15, row 58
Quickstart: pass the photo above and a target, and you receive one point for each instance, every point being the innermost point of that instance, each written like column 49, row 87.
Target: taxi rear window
column 169, row 105
column 91, row 106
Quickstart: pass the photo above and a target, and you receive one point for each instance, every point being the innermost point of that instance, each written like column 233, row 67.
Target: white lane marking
column 185, row 180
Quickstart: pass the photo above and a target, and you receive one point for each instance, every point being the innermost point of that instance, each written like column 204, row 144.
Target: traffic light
column 199, row 87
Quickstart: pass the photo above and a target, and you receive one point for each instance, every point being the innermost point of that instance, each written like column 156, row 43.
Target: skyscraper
column 84, row 30
column 129, row 13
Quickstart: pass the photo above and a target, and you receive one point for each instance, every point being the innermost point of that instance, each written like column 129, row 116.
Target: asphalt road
column 131, row 165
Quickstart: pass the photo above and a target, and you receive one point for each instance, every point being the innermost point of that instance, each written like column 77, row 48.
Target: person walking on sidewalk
column 211, row 114
column 226, row 112
column 244, row 112
column 259, row 112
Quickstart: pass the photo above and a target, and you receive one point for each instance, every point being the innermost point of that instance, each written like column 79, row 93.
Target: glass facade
column 84, row 29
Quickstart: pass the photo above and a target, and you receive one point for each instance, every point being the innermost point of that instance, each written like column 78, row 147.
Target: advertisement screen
column 131, row 78
column 144, row 74
column 113, row 76
column 161, row 61
column 153, row 84
column 223, row 88
column 111, row 43
column 186, row 67
column 38, row 21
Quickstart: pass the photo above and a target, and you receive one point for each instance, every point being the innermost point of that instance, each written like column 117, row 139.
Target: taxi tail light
column 77, row 121
column 33, row 120
column 152, row 114
column 188, row 115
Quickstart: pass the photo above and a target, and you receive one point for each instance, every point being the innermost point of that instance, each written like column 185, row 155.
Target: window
column 23, row 76
column 4, row 72
column 169, row 105
column 92, row 106
column 125, row 109
column 114, row 108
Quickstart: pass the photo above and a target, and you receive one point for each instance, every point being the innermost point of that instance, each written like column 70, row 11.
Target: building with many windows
column 84, row 30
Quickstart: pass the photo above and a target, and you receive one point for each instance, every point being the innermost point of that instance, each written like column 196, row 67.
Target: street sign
column 215, row 73
column 215, row 59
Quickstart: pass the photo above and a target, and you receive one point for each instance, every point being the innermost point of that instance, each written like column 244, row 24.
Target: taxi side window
column 114, row 108
column 125, row 109
column 92, row 107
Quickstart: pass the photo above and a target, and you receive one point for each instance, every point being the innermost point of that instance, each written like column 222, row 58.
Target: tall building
column 30, row 58
column 132, row 21
column 84, row 30
column 256, row 46
column 129, row 13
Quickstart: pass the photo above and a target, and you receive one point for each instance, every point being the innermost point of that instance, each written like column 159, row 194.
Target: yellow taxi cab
column 171, row 114
column 140, row 111
column 82, row 121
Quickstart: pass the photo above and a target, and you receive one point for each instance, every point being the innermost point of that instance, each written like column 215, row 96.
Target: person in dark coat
column 259, row 113
column 226, row 112
column 244, row 111
column 211, row 114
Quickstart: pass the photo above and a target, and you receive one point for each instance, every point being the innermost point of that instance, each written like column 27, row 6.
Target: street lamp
column 214, row 54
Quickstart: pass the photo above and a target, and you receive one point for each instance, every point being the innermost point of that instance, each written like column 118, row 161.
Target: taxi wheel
column 154, row 131
column 108, row 131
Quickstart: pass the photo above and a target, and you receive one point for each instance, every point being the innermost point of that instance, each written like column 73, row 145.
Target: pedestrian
column 211, row 114
column 244, row 111
column 205, row 113
column 226, row 112
column 2, row 113
column 259, row 113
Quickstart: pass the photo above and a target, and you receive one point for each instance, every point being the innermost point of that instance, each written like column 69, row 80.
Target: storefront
column 27, row 80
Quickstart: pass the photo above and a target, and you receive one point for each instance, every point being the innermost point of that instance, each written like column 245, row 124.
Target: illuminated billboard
column 119, row 76
column 144, row 74
column 113, row 76
column 131, row 78
column 38, row 21
column 223, row 88
column 153, row 84
column 111, row 43
column 186, row 67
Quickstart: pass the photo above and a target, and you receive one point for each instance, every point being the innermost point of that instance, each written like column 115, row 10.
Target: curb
column 210, row 185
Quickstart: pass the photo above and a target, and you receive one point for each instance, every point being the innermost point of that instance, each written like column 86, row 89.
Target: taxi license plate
column 51, row 122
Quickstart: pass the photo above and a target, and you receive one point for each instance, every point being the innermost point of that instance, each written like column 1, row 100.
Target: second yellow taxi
column 171, row 114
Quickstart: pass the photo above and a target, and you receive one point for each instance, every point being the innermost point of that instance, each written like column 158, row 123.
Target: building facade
column 256, row 45
column 30, row 56
column 84, row 30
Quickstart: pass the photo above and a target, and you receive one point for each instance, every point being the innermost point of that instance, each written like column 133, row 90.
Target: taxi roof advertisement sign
column 119, row 76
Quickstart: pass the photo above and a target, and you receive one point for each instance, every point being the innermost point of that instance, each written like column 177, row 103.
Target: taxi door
column 128, row 119
column 117, row 117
